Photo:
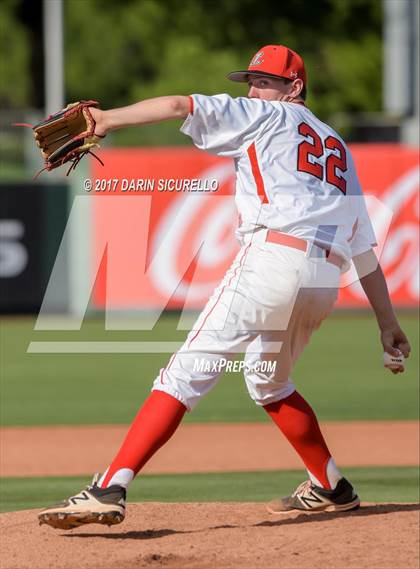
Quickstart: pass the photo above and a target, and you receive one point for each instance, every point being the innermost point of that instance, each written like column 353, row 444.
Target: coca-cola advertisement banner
column 164, row 222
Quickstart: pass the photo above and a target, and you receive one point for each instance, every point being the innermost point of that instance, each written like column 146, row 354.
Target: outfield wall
column 128, row 240
column 32, row 221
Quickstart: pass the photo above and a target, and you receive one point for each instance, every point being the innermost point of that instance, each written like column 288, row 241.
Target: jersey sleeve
column 363, row 236
column 225, row 126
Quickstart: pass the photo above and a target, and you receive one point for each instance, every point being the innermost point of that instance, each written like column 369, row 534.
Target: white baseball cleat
column 93, row 505
column 310, row 498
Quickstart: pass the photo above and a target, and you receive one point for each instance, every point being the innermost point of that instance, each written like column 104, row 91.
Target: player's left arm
column 148, row 111
column 374, row 284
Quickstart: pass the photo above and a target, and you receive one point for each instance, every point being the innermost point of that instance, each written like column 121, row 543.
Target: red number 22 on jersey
column 316, row 148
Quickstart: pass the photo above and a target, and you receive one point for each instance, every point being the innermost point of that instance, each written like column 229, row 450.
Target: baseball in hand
column 394, row 363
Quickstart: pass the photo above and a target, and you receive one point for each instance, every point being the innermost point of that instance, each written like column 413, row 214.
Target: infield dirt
column 213, row 535
column 210, row 447
column 225, row 535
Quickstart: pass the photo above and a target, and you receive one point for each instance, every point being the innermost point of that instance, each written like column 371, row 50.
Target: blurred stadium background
column 362, row 61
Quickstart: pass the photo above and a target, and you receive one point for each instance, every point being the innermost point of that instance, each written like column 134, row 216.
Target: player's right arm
column 148, row 111
column 371, row 276
column 374, row 284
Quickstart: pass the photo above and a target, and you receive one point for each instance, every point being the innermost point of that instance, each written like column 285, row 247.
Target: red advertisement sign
column 164, row 220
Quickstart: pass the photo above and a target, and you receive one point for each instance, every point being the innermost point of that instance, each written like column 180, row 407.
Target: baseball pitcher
column 302, row 221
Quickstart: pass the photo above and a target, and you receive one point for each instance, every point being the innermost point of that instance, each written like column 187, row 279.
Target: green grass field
column 373, row 485
column 341, row 374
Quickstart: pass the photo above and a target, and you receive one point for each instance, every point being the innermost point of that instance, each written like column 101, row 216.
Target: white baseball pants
column 268, row 304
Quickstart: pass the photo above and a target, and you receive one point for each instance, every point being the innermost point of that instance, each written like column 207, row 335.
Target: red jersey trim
column 256, row 172
column 353, row 231
column 191, row 105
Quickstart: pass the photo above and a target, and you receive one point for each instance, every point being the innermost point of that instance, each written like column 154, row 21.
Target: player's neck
column 288, row 99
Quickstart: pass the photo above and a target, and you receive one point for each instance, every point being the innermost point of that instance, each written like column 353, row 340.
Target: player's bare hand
column 99, row 118
column 394, row 341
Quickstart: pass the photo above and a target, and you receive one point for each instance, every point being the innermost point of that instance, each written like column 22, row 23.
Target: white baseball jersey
column 294, row 173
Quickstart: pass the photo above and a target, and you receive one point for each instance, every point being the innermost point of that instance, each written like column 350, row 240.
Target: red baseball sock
column 155, row 423
column 297, row 421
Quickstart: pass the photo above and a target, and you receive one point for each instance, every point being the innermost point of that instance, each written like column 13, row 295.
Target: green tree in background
column 14, row 58
column 121, row 52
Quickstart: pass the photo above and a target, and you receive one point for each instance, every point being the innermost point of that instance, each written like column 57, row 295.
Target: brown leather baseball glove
column 67, row 136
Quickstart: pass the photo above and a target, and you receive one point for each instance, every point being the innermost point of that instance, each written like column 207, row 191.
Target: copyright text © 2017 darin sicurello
column 128, row 185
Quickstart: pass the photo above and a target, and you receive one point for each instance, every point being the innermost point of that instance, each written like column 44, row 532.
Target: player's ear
column 297, row 87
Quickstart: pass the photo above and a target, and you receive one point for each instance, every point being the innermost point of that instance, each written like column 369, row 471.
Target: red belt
column 301, row 244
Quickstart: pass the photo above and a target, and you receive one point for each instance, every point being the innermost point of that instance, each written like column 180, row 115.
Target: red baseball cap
column 273, row 61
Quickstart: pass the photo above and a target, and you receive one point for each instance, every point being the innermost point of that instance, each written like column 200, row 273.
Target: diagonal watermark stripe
column 124, row 347
column 105, row 347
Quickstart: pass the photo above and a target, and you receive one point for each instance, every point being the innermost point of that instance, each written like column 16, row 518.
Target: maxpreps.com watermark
column 236, row 366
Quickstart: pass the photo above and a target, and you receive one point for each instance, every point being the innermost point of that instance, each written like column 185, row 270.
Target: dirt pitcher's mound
column 227, row 535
